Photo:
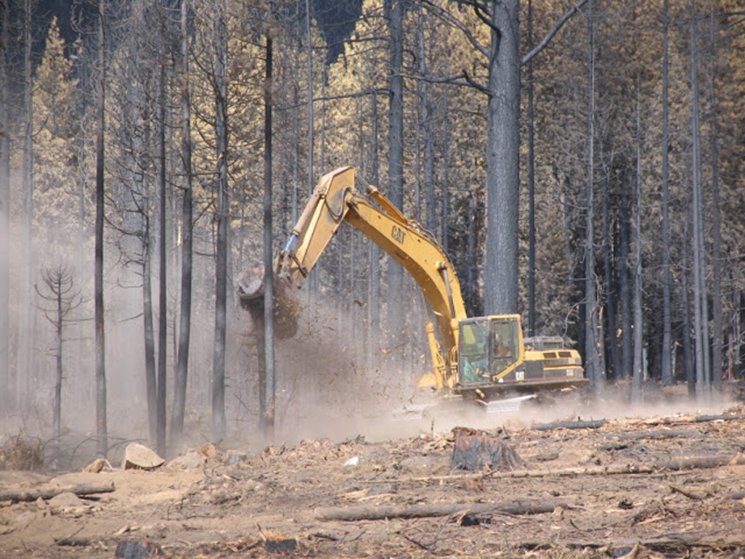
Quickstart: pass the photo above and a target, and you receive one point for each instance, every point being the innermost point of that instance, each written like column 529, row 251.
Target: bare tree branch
column 449, row 19
column 550, row 35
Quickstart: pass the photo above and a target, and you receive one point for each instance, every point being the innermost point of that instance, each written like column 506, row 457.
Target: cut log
column 439, row 509
column 287, row 308
column 701, row 462
column 477, row 450
column 655, row 434
column 49, row 492
column 596, row 424
column 705, row 418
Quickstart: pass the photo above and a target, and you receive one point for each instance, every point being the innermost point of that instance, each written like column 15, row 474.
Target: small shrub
column 21, row 453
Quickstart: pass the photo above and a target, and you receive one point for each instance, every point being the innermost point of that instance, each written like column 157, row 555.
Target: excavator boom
column 336, row 200
column 478, row 357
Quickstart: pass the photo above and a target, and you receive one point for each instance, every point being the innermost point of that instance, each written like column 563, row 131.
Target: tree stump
column 477, row 450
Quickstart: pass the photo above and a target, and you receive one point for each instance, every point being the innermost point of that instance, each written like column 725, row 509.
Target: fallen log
column 673, row 543
column 439, row 509
column 688, row 420
column 611, row 469
column 655, row 434
column 593, row 424
column 701, row 462
column 705, row 418
column 80, row 490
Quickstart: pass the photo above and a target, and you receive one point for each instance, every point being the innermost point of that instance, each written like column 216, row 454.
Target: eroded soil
column 654, row 486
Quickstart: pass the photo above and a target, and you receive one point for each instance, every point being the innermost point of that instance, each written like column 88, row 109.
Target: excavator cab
column 490, row 349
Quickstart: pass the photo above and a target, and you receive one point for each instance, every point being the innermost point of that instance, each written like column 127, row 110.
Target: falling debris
column 287, row 308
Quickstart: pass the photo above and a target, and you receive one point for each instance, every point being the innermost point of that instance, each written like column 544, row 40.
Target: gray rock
column 189, row 461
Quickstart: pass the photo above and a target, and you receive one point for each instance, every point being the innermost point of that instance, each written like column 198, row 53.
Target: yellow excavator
column 484, row 359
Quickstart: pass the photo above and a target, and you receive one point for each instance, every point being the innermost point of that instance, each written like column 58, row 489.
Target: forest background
column 146, row 145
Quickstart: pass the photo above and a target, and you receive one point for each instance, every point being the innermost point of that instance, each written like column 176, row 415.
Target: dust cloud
column 338, row 378
column 339, row 381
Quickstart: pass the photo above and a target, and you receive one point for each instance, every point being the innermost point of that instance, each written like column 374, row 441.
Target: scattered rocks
column 97, row 466
column 234, row 457
column 137, row 549
column 189, row 461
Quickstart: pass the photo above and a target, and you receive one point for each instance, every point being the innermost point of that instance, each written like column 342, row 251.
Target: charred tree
column 594, row 361
column 267, row 413
column 4, row 204
column 184, row 332
column 667, row 343
column 101, row 426
column 163, row 258
column 394, row 14
column 61, row 298
column 222, row 217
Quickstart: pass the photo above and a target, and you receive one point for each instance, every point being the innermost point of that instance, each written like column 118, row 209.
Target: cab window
column 503, row 341
column 474, row 352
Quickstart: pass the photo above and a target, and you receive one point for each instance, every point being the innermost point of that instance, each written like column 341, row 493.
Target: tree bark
column 430, row 200
column 394, row 12
column 4, row 207
column 81, row 490
column 222, row 217
column 58, row 362
column 502, row 160
column 151, row 381
column 531, row 183
column 24, row 359
column 716, row 231
column 101, row 426
column 699, row 282
column 611, row 299
column 184, row 332
column 311, row 130
column 268, row 414
column 163, row 258
column 667, row 343
column 594, row 363
column 440, row 509
column 636, row 383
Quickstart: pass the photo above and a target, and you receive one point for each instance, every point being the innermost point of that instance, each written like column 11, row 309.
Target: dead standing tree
column 501, row 57
column 60, row 298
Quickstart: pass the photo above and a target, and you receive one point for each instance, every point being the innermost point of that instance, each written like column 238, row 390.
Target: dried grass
column 21, row 453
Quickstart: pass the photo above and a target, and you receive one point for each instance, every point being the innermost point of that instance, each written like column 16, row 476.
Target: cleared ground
column 643, row 484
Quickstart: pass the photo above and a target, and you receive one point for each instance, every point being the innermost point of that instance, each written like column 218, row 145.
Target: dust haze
column 337, row 378
column 338, row 382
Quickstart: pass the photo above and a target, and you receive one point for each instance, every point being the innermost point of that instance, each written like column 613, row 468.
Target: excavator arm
column 336, row 200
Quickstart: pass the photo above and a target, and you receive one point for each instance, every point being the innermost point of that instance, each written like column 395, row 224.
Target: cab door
column 490, row 348
column 473, row 351
column 505, row 347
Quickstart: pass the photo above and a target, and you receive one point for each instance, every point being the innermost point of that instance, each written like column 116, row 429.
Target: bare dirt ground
column 654, row 484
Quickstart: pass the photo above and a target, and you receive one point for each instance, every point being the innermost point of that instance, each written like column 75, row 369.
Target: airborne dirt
column 664, row 483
